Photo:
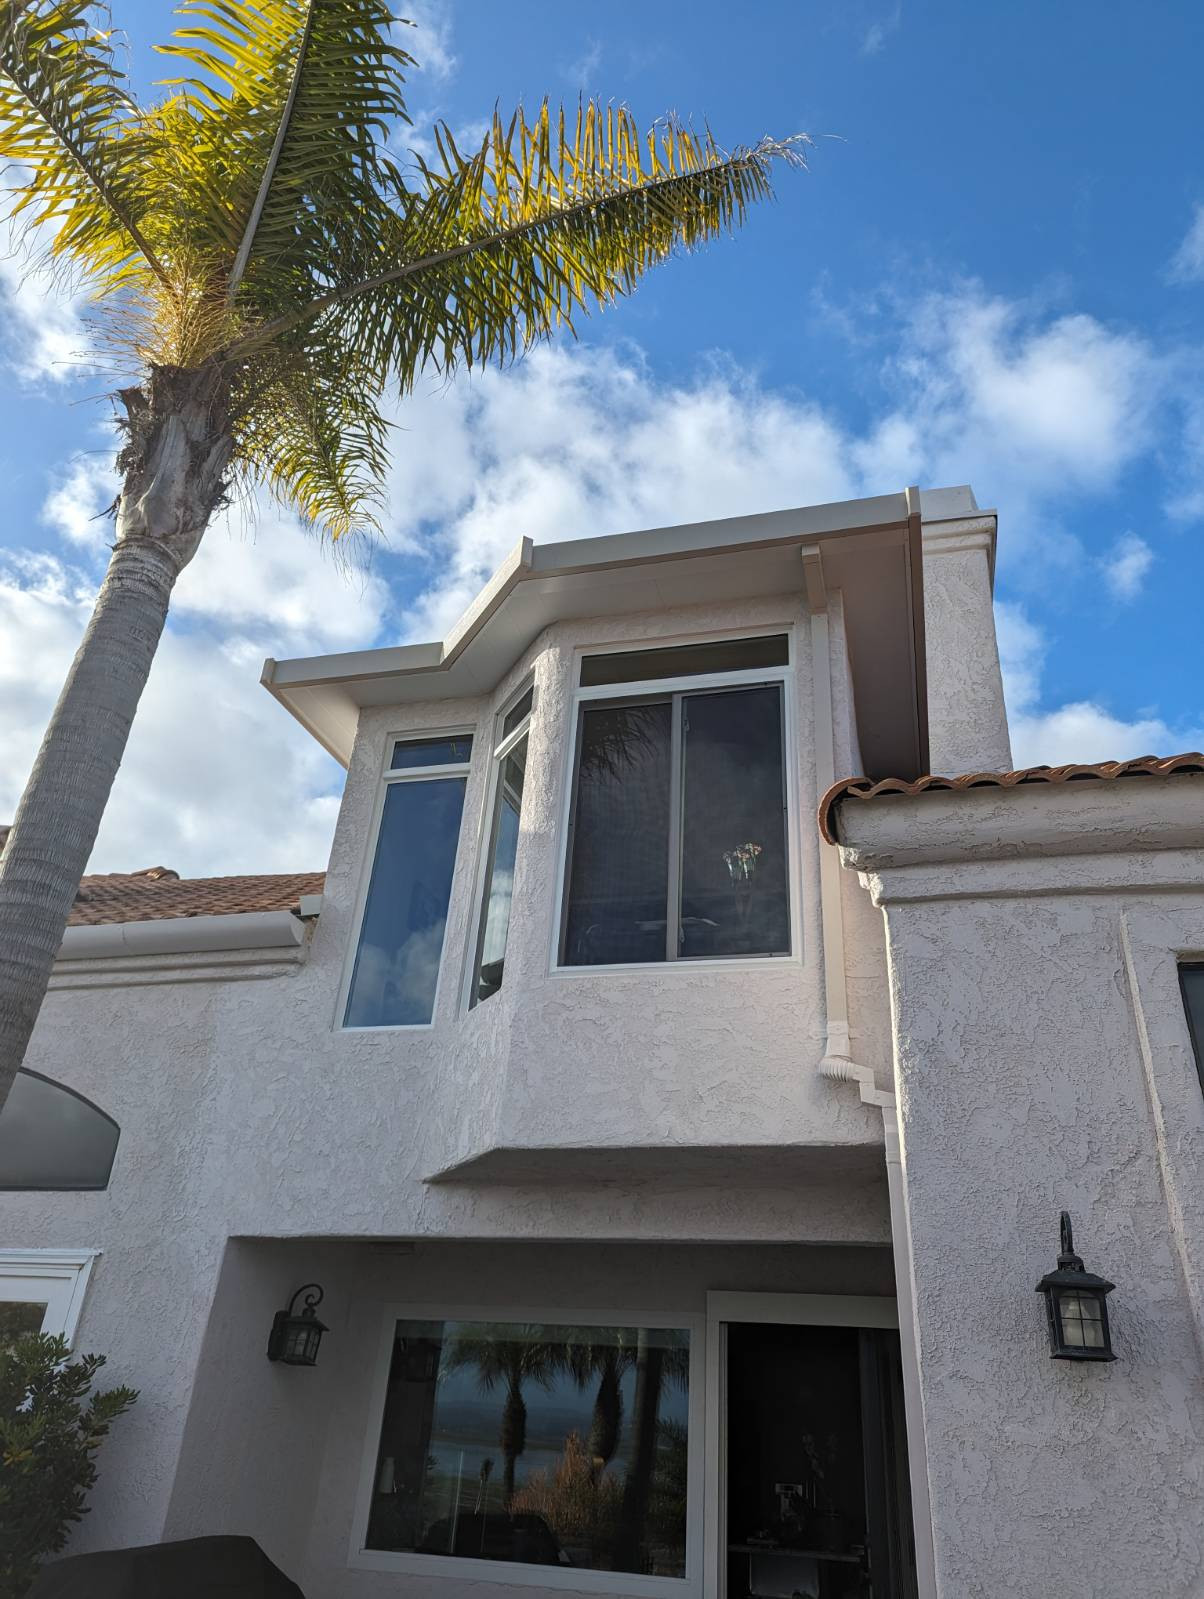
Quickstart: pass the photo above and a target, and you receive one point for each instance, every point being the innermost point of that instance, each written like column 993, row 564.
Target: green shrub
column 50, row 1431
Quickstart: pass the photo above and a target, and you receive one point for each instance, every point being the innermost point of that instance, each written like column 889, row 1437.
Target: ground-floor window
column 42, row 1290
column 546, row 1445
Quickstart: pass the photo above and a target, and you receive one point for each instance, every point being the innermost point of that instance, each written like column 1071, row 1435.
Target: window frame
column 506, row 1573
column 487, row 831
column 69, row 1269
column 666, row 689
column 386, row 778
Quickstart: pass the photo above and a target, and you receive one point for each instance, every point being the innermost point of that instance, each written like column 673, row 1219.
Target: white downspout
column 838, row 1065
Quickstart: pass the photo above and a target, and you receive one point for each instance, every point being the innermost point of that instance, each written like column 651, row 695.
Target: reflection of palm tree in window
column 621, row 737
column 508, row 1358
column 661, row 1357
column 607, row 1355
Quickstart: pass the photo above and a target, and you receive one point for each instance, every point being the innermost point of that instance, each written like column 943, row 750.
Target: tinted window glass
column 520, row 709
column 681, row 660
column 401, row 939
column 51, row 1138
column 412, row 752
column 619, row 874
column 542, row 1445
column 1192, row 978
column 734, row 883
column 499, row 885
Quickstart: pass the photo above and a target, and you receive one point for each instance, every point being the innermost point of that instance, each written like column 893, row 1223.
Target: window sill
column 504, row 1573
column 704, row 963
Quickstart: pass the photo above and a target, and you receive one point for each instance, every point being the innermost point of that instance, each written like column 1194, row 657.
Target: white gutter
column 838, row 1064
column 183, row 935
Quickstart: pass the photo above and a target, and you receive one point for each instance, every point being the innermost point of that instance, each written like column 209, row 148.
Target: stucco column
column 1031, row 1078
column 967, row 720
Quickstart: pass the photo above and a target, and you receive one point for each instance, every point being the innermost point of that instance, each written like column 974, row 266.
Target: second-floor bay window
column 678, row 843
column 396, row 969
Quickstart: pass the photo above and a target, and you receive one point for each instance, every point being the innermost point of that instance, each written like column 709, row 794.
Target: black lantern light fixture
column 1076, row 1302
column 296, row 1335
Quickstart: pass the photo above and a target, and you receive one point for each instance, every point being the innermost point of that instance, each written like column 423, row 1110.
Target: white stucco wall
column 1043, row 1063
column 665, row 1106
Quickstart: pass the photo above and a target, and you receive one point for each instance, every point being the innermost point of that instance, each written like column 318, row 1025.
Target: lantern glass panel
column 1082, row 1321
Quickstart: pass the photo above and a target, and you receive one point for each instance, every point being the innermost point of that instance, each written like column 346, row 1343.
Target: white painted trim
column 699, row 683
column 68, row 1268
column 461, row 1571
column 1154, row 942
column 388, row 777
column 783, row 1310
column 182, row 935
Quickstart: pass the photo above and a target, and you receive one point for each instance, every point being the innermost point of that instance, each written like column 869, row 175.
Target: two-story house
column 668, row 1176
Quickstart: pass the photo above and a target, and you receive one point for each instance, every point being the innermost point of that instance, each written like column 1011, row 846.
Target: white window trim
column 691, row 683
column 1156, row 941
column 503, row 1573
column 501, row 748
column 790, row 1310
column 69, row 1269
column 386, row 779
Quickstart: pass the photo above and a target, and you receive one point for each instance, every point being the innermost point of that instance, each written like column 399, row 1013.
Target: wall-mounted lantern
column 1076, row 1302
column 295, row 1336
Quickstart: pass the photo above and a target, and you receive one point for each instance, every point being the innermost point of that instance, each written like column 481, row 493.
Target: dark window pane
column 619, row 870
column 681, row 660
column 734, row 884
column 526, row 1444
column 19, row 1316
column 52, row 1138
column 1192, row 978
column 499, row 884
column 413, row 752
column 401, row 938
column 520, row 709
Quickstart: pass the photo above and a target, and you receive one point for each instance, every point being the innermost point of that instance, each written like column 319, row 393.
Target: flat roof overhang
column 870, row 549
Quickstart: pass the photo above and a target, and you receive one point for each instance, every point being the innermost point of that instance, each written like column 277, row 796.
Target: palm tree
column 508, row 1357
column 660, row 1357
column 265, row 272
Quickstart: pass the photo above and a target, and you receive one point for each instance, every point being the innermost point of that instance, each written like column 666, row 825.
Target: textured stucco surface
column 968, row 729
column 661, row 1109
column 1025, row 1063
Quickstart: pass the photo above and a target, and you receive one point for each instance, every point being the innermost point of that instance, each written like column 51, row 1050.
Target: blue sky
column 993, row 272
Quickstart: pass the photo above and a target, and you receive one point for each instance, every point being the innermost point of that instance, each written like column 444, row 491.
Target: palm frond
column 68, row 121
column 299, row 96
column 312, row 430
column 496, row 250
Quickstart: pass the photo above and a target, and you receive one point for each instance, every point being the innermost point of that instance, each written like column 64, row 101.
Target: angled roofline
column 871, row 545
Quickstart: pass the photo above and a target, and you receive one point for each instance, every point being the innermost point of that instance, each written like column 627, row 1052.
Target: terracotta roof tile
column 863, row 789
column 157, row 893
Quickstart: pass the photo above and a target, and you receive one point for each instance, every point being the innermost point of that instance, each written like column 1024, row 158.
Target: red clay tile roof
column 862, row 788
column 157, row 893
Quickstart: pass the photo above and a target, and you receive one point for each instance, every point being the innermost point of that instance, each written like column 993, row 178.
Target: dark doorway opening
column 818, row 1503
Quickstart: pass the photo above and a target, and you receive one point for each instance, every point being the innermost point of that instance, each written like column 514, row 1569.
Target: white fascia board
column 183, row 935
column 538, row 585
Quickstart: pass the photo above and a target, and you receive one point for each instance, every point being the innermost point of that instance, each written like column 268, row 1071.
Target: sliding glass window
column 510, row 767
column 677, row 846
column 396, row 968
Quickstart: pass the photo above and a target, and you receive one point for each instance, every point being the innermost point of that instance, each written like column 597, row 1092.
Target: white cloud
column 429, row 39
column 579, row 439
column 75, row 508
column 580, row 72
column 215, row 778
column 1187, row 263
column 43, row 335
column 880, row 31
column 1078, row 732
column 1125, row 566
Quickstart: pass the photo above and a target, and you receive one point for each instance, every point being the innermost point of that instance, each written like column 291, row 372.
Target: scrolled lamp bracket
column 296, row 1335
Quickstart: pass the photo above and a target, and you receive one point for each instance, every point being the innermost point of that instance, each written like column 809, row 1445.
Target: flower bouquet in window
column 741, row 863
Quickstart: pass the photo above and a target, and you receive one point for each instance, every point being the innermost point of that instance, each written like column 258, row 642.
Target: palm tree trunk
column 173, row 462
